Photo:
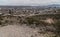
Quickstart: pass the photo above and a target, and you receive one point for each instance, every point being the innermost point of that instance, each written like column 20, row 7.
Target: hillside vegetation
column 45, row 23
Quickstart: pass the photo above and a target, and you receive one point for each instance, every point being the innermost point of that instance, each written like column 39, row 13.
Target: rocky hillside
column 47, row 25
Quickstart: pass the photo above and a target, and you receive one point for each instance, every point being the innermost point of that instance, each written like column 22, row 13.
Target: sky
column 29, row 2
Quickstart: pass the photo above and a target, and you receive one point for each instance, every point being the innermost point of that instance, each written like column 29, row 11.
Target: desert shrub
column 33, row 21
column 2, row 23
column 11, row 11
column 57, row 26
column 6, row 21
column 1, row 20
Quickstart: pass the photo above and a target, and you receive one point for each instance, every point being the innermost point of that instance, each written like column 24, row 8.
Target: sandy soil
column 18, row 31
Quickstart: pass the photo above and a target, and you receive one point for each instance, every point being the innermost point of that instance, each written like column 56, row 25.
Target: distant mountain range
column 46, row 6
column 54, row 5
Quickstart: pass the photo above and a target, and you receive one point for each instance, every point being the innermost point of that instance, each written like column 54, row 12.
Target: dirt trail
column 18, row 31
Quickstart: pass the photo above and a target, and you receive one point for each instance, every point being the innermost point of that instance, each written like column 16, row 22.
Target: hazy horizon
column 28, row 2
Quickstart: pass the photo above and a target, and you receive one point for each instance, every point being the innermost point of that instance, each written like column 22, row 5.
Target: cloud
column 28, row 2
